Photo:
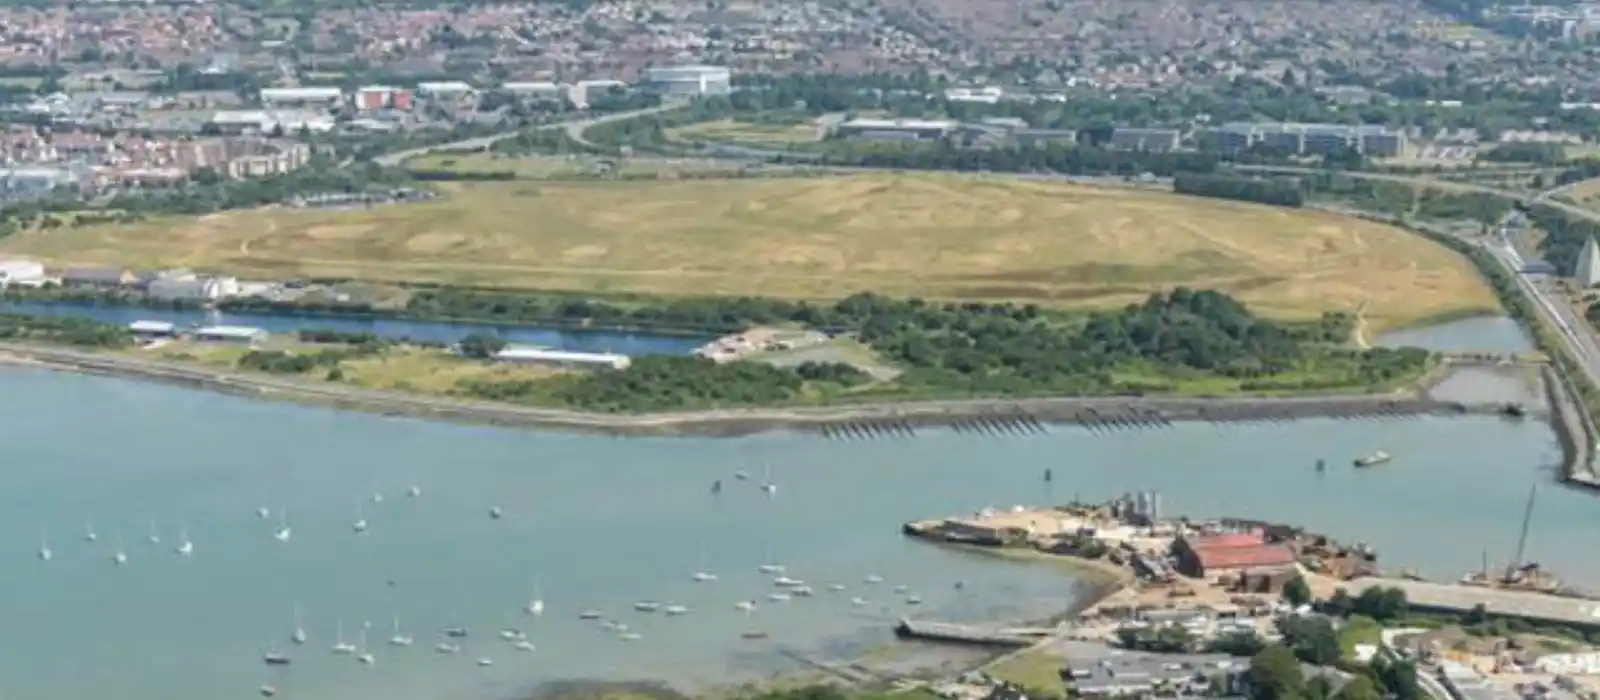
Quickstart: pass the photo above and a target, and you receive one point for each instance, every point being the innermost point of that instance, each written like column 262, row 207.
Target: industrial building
column 689, row 80
column 1587, row 272
column 979, row 95
column 446, row 90
column 1151, row 140
column 97, row 277
column 20, row 272
column 306, row 96
column 150, row 330
column 1312, row 139
column 267, row 121
column 1231, row 553
column 240, row 335
column 373, row 98
column 896, row 129
column 563, row 358
column 192, row 288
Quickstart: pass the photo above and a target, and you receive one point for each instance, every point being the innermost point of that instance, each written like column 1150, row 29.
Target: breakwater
column 992, row 416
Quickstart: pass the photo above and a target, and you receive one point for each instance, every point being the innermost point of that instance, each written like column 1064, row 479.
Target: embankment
column 998, row 416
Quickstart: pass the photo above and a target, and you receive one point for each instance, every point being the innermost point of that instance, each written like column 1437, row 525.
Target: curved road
column 574, row 129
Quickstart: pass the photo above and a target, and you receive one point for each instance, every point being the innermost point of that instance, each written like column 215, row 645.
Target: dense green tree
column 481, row 345
column 1275, row 675
column 1297, row 592
column 1360, row 688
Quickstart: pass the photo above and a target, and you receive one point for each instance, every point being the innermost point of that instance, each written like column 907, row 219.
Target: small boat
column 455, row 632
column 268, row 691
column 742, row 475
column 360, row 525
column 1373, row 459
column 447, row 648
column 44, row 549
column 902, row 589
column 283, row 533
column 1322, row 465
column 777, row 597
column 485, row 661
column 275, row 658
column 676, row 610
column 753, row 634
column 88, row 531
column 913, row 600
column 590, row 615
column 155, row 535
column 872, row 579
column 340, row 646
column 512, row 635
column 858, row 602
column 377, row 498
column 522, row 645
column 263, row 513
column 395, row 638
column 745, row 605
column 836, row 587
column 716, row 487
column 614, row 626
column 802, row 591
column 414, row 491
column 786, row 582
column 646, row 606
column 535, row 607
column 185, row 546
column 770, row 568
column 770, row 488
column 363, row 655
column 704, row 577
column 630, row 636
column 121, row 557
column 299, row 636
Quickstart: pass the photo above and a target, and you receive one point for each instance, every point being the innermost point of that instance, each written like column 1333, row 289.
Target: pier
column 979, row 635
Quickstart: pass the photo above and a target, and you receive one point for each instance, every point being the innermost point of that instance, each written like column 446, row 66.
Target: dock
column 977, row 635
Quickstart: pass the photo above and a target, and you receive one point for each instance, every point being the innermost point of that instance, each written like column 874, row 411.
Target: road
column 574, row 129
column 1540, row 289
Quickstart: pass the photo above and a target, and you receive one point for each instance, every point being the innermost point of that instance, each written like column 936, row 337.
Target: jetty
column 977, row 635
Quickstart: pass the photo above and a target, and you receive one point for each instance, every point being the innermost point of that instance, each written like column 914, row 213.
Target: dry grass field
column 748, row 133
column 944, row 237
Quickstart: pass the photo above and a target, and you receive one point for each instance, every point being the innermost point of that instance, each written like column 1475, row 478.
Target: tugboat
column 1374, row 459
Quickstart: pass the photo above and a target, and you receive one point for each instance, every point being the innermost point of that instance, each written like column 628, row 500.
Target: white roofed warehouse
column 301, row 96
column 239, row 335
column 689, row 80
column 563, row 358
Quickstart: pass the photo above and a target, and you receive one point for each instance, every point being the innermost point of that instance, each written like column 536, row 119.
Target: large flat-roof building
column 563, row 358
column 896, row 129
column 324, row 96
column 1152, row 140
column 689, row 80
column 242, row 335
column 1209, row 556
column 1311, row 139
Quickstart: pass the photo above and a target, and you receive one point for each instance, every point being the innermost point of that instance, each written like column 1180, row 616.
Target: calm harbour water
column 595, row 522
column 428, row 331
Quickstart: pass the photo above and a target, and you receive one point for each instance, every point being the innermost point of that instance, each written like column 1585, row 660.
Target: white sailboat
column 872, row 579
column 155, row 534
column 770, row 567
column 766, row 481
column 704, row 574
column 340, row 646
column 522, row 645
column 360, row 524
column 88, row 531
column 535, row 607
column 185, row 545
column 414, row 491
column 121, row 557
column 44, row 548
column 745, row 606
column 283, row 533
column 397, row 639
column 363, row 655
column 299, row 634
column 676, row 610
column 263, row 513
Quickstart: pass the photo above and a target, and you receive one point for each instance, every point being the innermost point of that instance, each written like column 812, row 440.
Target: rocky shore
column 863, row 420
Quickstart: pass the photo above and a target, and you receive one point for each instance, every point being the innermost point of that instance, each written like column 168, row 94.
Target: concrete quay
column 980, row 635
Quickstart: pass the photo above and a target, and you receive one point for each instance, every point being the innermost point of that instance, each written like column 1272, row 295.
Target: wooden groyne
column 977, row 635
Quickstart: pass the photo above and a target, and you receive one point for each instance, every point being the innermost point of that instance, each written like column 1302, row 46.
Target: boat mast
column 1522, row 539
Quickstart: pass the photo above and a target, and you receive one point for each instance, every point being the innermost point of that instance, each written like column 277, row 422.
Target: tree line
column 1248, row 189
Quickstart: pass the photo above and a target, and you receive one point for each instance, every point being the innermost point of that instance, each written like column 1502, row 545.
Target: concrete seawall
column 1574, row 430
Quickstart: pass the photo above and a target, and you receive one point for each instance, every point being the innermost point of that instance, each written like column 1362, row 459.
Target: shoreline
column 999, row 416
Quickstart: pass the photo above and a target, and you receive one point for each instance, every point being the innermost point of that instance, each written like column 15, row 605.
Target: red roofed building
column 1210, row 556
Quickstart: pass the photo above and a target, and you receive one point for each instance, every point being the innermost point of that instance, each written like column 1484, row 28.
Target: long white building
column 689, row 80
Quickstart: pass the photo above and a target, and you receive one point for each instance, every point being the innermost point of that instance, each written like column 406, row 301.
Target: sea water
column 602, row 523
